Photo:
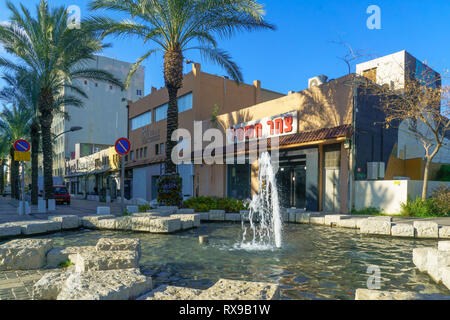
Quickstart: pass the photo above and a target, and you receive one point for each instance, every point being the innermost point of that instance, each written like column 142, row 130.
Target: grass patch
column 66, row 264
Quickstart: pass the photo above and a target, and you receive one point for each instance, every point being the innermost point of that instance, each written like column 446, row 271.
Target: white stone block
column 366, row 294
column 225, row 289
column 217, row 215
column 103, row 210
column 185, row 211
column 91, row 222
column 426, row 229
column 347, row 223
column 420, row 256
column 204, row 216
column 24, row 254
column 67, row 222
column 235, row 217
column 124, row 223
column 379, row 227
column 445, row 275
column 106, row 260
column 333, row 219
column 49, row 286
column 105, row 285
column 317, row 220
column 156, row 225
column 119, row 244
column 302, row 217
column 9, row 230
column 193, row 219
column 444, row 232
column 402, row 230
column 444, row 245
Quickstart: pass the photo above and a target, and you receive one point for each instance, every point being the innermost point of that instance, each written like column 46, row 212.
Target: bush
column 367, row 211
column 144, row 208
column 170, row 190
column 444, row 173
column 436, row 206
column 204, row 204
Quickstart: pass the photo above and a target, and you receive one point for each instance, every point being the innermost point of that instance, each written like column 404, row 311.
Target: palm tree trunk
column 173, row 76
column 14, row 176
column 34, row 161
column 425, row 178
column 2, row 176
column 46, row 118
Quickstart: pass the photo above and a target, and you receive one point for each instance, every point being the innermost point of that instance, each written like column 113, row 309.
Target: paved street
column 8, row 209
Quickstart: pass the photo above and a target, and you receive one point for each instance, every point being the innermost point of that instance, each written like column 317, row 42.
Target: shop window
column 239, row 181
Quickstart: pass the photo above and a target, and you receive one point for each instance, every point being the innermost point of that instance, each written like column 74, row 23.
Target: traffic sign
column 22, row 145
column 22, row 156
column 123, row 146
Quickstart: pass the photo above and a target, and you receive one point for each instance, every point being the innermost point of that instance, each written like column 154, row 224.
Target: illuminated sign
column 275, row 126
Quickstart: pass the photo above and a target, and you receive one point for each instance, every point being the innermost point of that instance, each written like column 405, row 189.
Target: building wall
column 103, row 115
column 387, row 195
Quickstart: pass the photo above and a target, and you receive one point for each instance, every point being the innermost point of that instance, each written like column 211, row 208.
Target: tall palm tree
column 57, row 56
column 3, row 155
column 15, row 124
column 22, row 88
column 176, row 26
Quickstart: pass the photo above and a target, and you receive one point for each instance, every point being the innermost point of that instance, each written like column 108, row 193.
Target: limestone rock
column 106, row 260
column 165, row 292
column 333, row 219
column 373, row 226
column 37, row 226
column 167, row 210
column 426, row 229
column 23, row 254
column 91, row 222
column 193, row 218
column 235, row 217
column 185, row 211
column 402, row 230
column 105, row 224
column 49, row 286
column 119, row 244
column 436, row 262
column 9, row 230
column 317, row 220
column 444, row 245
column 124, row 223
column 204, row 216
column 241, row 290
column 350, row 223
column 383, row 218
column 302, row 217
column 156, row 225
column 366, row 294
column 67, row 222
column 217, row 215
column 445, row 274
column 105, row 285
column 420, row 256
column 444, row 232
column 59, row 255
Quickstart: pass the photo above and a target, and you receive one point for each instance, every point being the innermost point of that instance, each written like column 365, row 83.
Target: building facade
column 202, row 98
column 102, row 117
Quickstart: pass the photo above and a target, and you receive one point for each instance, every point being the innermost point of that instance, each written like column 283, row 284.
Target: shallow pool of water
column 314, row 262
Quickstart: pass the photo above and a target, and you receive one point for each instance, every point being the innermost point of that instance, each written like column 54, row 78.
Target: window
column 131, row 155
column 161, row 112
column 161, row 148
column 141, row 153
column 139, row 92
column 156, row 148
column 137, row 154
column 141, row 121
column 185, row 103
column 145, row 152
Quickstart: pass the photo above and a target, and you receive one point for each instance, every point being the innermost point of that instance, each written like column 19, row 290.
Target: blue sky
column 302, row 46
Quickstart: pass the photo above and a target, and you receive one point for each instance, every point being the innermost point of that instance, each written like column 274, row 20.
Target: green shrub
column 144, row 208
column 66, row 264
column 436, row 206
column 441, row 201
column 444, row 173
column 204, row 204
column 367, row 211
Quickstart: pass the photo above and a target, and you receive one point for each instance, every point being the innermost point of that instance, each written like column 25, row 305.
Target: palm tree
column 15, row 124
column 57, row 56
column 22, row 88
column 176, row 26
column 3, row 155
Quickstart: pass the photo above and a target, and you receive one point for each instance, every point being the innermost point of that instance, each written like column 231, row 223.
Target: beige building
column 202, row 97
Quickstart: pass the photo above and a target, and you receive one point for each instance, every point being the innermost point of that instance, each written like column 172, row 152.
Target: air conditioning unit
column 375, row 170
column 317, row 81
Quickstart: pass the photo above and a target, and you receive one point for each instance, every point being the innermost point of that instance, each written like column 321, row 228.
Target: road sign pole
column 23, row 188
column 122, row 183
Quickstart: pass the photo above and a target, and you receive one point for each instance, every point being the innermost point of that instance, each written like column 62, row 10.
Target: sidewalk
column 8, row 210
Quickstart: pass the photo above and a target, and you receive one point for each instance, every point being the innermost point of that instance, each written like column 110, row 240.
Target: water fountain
column 265, row 227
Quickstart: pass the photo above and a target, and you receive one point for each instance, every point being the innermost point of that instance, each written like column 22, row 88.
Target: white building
column 103, row 117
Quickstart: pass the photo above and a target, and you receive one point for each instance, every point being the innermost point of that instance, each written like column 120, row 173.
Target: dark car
column 61, row 195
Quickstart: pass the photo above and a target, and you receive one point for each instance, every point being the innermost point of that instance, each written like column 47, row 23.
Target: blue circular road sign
column 22, row 145
column 123, row 146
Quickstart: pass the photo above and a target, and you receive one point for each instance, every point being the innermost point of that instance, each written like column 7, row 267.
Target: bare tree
column 423, row 104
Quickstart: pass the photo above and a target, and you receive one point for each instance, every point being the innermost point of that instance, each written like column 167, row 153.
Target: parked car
column 61, row 195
